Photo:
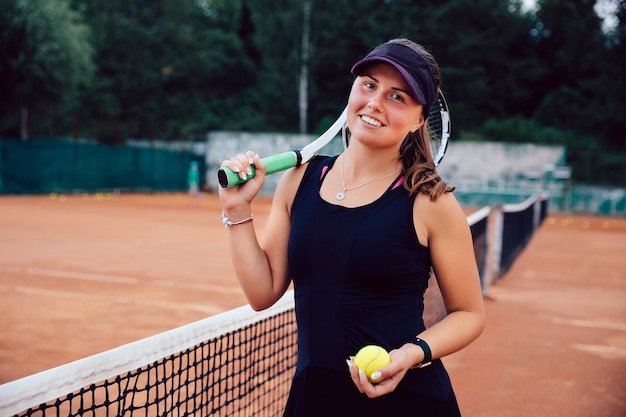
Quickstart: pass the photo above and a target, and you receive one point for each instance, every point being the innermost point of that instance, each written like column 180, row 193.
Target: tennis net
column 515, row 224
column 235, row 363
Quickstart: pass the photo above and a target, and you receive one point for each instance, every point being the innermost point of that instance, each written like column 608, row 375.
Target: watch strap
column 428, row 356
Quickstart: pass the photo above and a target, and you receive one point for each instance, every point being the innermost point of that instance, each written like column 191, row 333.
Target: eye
column 397, row 97
column 370, row 85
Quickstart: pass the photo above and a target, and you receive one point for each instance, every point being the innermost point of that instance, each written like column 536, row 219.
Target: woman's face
column 380, row 110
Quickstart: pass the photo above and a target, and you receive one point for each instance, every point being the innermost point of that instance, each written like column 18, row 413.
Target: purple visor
column 410, row 64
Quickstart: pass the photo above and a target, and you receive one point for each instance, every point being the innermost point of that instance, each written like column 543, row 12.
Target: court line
column 80, row 276
column 117, row 300
column 600, row 349
column 595, row 325
column 86, row 276
column 589, row 323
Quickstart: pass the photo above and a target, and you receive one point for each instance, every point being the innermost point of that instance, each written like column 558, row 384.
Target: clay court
column 82, row 274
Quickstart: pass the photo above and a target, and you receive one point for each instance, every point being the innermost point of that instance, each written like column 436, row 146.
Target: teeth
column 371, row 121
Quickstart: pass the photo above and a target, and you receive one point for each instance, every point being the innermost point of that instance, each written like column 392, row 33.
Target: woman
column 357, row 235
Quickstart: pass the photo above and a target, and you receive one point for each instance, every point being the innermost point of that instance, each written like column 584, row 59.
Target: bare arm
column 260, row 265
column 454, row 265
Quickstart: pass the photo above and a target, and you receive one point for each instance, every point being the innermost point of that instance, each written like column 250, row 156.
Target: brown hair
column 418, row 165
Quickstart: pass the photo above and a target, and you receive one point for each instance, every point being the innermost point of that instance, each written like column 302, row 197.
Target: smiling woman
column 357, row 235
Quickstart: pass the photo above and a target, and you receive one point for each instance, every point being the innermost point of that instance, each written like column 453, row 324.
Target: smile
column 371, row 121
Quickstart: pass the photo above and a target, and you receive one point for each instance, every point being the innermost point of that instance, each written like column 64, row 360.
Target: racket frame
column 285, row 160
column 446, row 126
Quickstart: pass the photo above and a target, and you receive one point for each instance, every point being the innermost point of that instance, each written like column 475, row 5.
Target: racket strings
column 434, row 126
column 438, row 125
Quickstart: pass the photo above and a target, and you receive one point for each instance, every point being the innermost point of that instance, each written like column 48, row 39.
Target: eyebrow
column 393, row 88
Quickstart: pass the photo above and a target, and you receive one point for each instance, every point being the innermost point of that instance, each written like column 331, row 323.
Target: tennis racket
column 285, row 160
column 438, row 126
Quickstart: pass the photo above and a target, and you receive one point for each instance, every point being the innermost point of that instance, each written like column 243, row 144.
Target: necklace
column 342, row 194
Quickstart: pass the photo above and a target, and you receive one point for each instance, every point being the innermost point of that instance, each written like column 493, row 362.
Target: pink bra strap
column 398, row 183
column 323, row 171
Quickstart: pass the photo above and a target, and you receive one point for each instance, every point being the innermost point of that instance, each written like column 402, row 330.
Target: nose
column 375, row 101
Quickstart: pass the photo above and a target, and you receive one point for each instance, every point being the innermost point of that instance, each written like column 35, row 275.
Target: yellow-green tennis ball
column 370, row 358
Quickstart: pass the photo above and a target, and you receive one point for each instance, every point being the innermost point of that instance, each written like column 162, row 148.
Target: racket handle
column 273, row 164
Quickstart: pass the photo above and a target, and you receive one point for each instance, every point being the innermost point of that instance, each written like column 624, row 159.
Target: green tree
column 45, row 58
column 569, row 39
column 174, row 69
column 584, row 87
column 614, row 84
column 168, row 69
column 277, row 36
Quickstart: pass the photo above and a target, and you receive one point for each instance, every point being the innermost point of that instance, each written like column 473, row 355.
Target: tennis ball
column 370, row 358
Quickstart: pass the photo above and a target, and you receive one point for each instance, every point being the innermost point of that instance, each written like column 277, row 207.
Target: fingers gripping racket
column 285, row 160
column 438, row 127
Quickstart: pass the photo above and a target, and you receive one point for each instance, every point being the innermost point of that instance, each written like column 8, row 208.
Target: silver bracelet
column 228, row 223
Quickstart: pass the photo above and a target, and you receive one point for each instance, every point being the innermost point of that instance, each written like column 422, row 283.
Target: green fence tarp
column 45, row 166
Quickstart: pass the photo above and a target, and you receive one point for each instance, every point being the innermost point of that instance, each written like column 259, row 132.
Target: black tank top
column 359, row 273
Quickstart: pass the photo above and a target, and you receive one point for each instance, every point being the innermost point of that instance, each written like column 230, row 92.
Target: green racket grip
column 273, row 164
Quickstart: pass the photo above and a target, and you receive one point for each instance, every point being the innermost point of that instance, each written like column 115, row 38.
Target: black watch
column 427, row 353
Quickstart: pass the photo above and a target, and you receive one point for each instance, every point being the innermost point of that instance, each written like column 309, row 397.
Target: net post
column 497, row 241
column 479, row 226
column 536, row 208
column 538, row 213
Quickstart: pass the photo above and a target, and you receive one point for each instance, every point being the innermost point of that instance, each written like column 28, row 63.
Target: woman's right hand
column 242, row 195
column 262, row 273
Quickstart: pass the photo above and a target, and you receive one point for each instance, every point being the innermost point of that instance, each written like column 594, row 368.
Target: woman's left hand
column 388, row 377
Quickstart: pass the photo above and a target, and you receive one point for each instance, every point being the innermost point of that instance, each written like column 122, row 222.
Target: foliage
column 46, row 56
column 163, row 67
column 174, row 69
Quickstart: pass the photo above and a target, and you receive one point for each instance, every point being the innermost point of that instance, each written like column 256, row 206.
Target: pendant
column 340, row 196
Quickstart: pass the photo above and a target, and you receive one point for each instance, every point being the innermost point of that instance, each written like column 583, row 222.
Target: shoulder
column 434, row 217
column 444, row 206
column 292, row 179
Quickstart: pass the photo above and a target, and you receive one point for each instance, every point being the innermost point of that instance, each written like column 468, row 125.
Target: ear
column 418, row 124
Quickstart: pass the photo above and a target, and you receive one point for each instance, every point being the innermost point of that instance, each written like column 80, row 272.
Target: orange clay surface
column 82, row 274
